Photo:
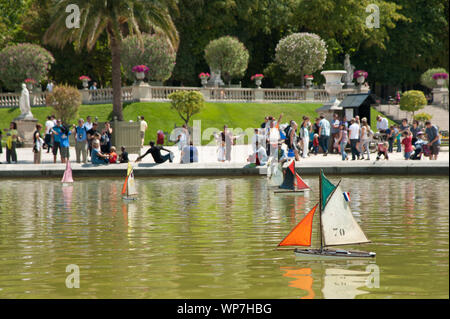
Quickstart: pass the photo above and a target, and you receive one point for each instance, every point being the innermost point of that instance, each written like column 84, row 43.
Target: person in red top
column 113, row 156
column 407, row 143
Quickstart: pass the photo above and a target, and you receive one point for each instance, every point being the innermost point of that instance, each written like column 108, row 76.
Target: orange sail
column 124, row 188
column 301, row 234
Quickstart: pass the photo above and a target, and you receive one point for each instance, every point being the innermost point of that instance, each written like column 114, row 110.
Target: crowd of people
column 271, row 139
column 91, row 143
column 337, row 135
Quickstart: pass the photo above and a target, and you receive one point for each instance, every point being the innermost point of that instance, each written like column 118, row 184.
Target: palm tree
column 118, row 18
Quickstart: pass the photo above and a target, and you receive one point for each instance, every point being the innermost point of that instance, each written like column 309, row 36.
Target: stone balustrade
column 147, row 93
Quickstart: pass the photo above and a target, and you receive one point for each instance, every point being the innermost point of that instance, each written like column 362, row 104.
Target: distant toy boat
column 274, row 173
column 129, row 191
column 337, row 227
column 292, row 182
column 67, row 177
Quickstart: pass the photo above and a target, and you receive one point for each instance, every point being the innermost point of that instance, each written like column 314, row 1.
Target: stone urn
column 258, row 82
column 309, row 82
column 440, row 82
column 333, row 84
column 140, row 76
column 204, row 80
column 29, row 86
column 360, row 79
column 85, row 84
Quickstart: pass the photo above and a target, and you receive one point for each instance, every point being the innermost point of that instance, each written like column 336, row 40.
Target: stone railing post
column 206, row 94
column 85, row 96
column 141, row 92
column 259, row 94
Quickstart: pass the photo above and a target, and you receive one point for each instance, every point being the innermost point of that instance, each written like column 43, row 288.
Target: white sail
column 338, row 225
column 131, row 186
column 343, row 283
column 276, row 174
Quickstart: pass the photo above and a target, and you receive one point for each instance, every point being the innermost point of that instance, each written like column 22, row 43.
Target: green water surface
column 215, row 238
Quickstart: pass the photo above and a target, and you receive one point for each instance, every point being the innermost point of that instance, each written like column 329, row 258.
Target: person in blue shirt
column 56, row 132
column 80, row 132
column 65, row 144
column 324, row 134
column 98, row 157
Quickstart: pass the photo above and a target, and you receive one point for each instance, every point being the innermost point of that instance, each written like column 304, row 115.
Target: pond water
column 216, row 238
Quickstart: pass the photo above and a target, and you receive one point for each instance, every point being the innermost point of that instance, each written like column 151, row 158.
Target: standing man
column 80, row 141
column 88, row 124
column 50, row 87
column 335, row 127
column 57, row 132
column 324, row 134
column 354, row 138
column 93, row 86
column 48, row 135
column 144, row 127
column 434, row 141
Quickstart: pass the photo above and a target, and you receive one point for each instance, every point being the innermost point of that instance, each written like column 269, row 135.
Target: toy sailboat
column 337, row 227
column 129, row 191
column 292, row 182
column 67, row 177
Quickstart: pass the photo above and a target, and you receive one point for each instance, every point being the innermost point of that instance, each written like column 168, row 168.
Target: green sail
column 327, row 189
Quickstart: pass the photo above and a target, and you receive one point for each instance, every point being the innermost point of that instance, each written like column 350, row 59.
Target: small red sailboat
column 292, row 182
column 67, row 177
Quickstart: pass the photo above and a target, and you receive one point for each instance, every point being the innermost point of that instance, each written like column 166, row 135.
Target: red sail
column 301, row 234
column 300, row 183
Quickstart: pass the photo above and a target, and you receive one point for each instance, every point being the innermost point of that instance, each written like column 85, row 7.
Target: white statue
column 24, row 103
column 215, row 79
column 350, row 69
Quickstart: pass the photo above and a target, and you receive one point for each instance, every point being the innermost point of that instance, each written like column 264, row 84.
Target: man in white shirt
column 48, row 136
column 88, row 124
column 50, row 87
column 144, row 127
column 382, row 124
column 353, row 133
column 324, row 134
column 259, row 157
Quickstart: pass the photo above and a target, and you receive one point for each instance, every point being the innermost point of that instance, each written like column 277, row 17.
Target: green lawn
column 160, row 117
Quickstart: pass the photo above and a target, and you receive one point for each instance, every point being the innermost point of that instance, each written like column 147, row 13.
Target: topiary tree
column 157, row 53
column 187, row 103
column 228, row 55
column 301, row 53
column 423, row 117
column 412, row 101
column 66, row 101
column 426, row 79
column 21, row 61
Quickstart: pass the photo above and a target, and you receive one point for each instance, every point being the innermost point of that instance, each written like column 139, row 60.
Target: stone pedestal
column 26, row 128
column 206, row 94
column 440, row 96
column 259, row 95
column 85, row 96
column 309, row 95
column 142, row 92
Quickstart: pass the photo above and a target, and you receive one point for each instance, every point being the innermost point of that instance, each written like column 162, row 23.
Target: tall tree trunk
column 302, row 78
column 116, row 78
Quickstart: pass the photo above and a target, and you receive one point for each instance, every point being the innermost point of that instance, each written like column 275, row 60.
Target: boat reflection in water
column 334, row 280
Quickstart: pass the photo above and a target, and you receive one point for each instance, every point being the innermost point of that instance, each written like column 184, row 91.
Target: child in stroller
column 419, row 147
